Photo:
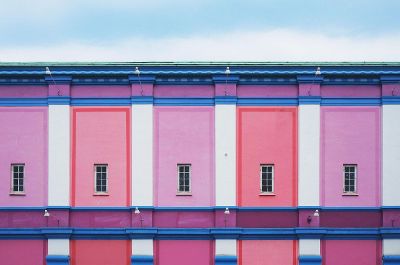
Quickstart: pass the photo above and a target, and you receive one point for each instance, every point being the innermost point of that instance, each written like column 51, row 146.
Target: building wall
column 184, row 135
column 267, row 252
column 26, row 252
column 183, row 252
column 350, row 135
column 100, row 252
column 267, row 135
column 100, row 136
column 23, row 139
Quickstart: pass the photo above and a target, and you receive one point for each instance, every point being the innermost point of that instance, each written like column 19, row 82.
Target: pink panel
column 350, row 135
column 23, row 252
column 100, row 252
column 273, row 91
column 23, row 136
column 268, row 252
column 184, row 252
column 100, row 91
column 184, row 135
column 101, row 136
column 30, row 91
column 350, row 252
column 364, row 91
column 183, row 91
column 267, row 135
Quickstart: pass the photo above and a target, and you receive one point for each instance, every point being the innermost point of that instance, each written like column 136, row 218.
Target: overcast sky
column 202, row 30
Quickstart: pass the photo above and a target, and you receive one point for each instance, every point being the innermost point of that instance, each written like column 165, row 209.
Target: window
column 17, row 178
column 101, row 178
column 350, row 178
column 267, row 178
column 184, row 178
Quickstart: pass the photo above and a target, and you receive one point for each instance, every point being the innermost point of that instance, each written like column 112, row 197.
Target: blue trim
column 266, row 209
column 144, row 79
column 310, row 260
column 142, row 260
column 309, row 100
column 341, row 209
column 23, row 102
column 223, row 79
column 390, row 79
column 57, row 260
column 61, row 100
column 225, row 260
column 57, row 79
column 227, row 100
column 184, row 101
column 310, row 79
column 391, row 260
column 100, row 101
column 267, row 102
column 350, row 102
column 136, row 100
column 390, row 100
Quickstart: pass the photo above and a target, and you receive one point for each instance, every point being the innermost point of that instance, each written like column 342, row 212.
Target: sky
column 199, row 30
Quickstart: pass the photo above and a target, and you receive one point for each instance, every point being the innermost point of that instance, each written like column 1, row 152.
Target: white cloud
column 269, row 45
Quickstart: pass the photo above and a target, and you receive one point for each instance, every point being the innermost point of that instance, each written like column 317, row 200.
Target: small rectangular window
column 17, row 178
column 267, row 178
column 350, row 178
column 101, row 178
column 184, row 171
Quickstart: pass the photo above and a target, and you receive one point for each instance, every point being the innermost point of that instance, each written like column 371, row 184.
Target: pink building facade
column 258, row 163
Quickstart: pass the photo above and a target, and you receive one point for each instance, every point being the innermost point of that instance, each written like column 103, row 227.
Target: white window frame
column 95, row 178
column 355, row 178
column 18, row 192
column 273, row 178
column 178, row 191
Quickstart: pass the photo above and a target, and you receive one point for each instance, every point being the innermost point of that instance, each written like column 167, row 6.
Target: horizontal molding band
column 202, row 233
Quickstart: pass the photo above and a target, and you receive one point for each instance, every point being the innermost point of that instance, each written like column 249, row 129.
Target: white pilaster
column 391, row 154
column 225, row 155
column 225, row 247
column 309, row 247
column 58, row 247
column 59, row 155
column 309, row 139
column 142, row 155
column 142, row 247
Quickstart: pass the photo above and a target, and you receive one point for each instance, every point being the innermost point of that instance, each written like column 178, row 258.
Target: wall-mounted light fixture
column 227, row 73
column 48, row 72
column 46, row 213
column 137, row 212
column 137, row 72
column 226, row 213
column 317, row 73
column 315, row 214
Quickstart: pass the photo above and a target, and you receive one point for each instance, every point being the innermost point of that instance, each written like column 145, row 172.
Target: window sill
column 17, row 194
column 101, row 194
column 350, row 194
column 184, row 194
column 267, row 194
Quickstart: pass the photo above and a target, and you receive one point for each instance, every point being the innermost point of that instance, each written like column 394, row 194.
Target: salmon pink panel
column 267, row 252
column 184, row 252
column 267, row 136
column 100, row 252
column 24, row 252
column 23, row 140
column 184, row 135
column 350, row 135
column 101, row 136
column 350, row 252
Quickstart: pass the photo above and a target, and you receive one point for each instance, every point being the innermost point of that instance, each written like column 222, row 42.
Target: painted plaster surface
column 101, row 136
column 267, row 252
column 23, row 138
column 351, row 91
column 350, row 252
column 267, row 135
column 22, row 252
column 97, row 91
column 100, row 252
column 18, row 91
column 273, row 91
column 350, row 135
column 182, row 91
column 179, row 252
column 184, row 135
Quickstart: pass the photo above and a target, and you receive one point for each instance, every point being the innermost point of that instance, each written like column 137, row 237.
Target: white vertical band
column 58, row 247
column 142, row 247
column 225, row 155
column 142, row 155
column 309, row 247
column 59, row 155
column 391, row 155
column 391, row 247
column 309, row 139
column 225, row 247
